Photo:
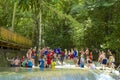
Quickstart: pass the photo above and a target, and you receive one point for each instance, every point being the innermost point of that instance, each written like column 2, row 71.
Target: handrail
column 9, row 36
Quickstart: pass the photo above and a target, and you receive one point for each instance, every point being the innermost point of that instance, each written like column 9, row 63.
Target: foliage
column 66, row 23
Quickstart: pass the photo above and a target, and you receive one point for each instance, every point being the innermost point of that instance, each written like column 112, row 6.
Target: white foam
column 105, row 76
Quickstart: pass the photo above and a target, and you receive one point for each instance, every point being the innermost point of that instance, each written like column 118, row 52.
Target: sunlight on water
column 58, row 74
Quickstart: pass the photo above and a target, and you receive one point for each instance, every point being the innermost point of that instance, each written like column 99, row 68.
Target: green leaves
column 66, row 23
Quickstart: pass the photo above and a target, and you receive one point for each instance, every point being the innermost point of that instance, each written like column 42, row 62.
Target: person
column 17, row 62
column 33, row 55
column 89, row 61
column 87, row 52
column 82, row 51
column 11, row 61
column 46, row 65
column 82, row 61
column 22, row 60
column 59, row 51
column 108, row 55
column 66, row 53
column 34, row 52
column 53, row 64
column 68, row 56
column 41, row 63
column 75, row 56
column 49, row 60
column 29, row 53
column 71, row 54
column 92, row 65
column 112, row 62
column 46, row 51
column 91, row 56
column 62, row 57
column 104, row 60
column 24, row 63
column 30, row 64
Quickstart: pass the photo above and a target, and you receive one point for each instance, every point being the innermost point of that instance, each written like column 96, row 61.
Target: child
column 53, row 64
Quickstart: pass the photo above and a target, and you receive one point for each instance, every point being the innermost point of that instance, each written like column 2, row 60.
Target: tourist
column 111, row 59
column 11, row 61
column 62, row 57
column 66, row 54
column 29, row 53
column 71, row 54
column 89, row 61
column 53, row 64
column 46, row 65
column 82, row 61
column 82, row 52
column 91, row 56
column 30, row 63
column 111, row 62
column 41, row 63
column 34, row 52
column 49, row 60
column 17, row 62
column 92, row 65
column 104, row 60
column 22, row 60
column 78, row 61
column 87, row 52
column 46, row 51
column 75, row 56
column 24, row 63
column 59, row 51
column 33, row 55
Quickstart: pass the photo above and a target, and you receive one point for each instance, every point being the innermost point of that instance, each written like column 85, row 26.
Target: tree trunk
column 13, row 18
column 38, row 32
column 40, row 29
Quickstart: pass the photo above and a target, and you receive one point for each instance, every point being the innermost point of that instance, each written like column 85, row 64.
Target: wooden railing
column 9, row 36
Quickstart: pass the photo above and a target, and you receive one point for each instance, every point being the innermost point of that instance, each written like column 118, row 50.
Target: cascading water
column 58, row 74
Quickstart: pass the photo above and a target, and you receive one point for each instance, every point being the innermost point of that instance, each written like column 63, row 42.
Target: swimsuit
column 104, row 61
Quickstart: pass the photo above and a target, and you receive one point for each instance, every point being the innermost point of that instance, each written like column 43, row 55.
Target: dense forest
column 64, row 23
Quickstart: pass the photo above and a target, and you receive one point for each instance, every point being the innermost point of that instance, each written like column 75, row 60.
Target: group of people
column 20, row 62
column 106, row 59
column 48, row 58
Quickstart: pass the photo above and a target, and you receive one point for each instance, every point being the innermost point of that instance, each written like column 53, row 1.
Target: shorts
column 82, row 65
column 104, row 61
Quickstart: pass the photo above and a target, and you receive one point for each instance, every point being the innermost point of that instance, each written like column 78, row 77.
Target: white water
column 63, row 72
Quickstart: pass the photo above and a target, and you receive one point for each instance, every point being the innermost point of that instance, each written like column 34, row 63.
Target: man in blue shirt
column 41, row 62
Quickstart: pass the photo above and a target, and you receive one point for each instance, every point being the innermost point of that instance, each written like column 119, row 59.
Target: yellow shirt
column 53, row 65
